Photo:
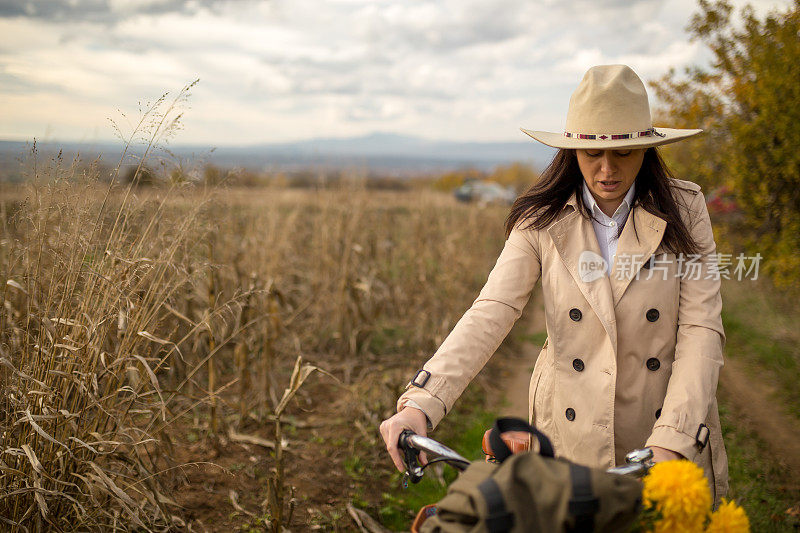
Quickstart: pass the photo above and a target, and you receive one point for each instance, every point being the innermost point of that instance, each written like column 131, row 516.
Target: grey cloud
column 615, row 27
column 436, row 63
column 100, row 11
column 373, row 73
column 446, row 26
column 9, row 8
column 369, row 111
column 15, row 85
column 310, row 77
column 614, row 3
column 312, row 65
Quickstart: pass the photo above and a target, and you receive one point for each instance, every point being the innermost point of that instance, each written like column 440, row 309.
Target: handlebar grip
column 410, row 455
column 402, row 441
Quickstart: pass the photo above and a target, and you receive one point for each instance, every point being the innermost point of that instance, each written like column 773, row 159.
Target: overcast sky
column 283, row 70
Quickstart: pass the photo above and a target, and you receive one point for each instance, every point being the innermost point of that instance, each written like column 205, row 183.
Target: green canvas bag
column 533, row 491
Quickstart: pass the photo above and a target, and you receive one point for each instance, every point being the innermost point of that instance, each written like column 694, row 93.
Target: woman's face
column 610, row 173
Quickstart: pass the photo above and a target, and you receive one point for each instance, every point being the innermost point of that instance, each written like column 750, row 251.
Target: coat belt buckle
column 424, row 380
column 701, row 438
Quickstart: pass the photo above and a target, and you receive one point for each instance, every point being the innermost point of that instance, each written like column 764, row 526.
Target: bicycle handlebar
column 411, row 444
column 638, row 463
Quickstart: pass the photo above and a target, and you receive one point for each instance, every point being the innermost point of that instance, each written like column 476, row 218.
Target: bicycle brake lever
column 643, row 456
column 413, row 469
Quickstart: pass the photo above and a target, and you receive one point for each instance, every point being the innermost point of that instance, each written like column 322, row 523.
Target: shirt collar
column 622, row 210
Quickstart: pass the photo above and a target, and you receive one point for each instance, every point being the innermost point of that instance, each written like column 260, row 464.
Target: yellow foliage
column 748, row 104
column 452, row 180
column 518, row 175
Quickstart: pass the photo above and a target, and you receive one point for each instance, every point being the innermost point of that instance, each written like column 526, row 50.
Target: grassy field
column 763, row 340
column 147, row 328
column 176, row 357
column 762, row 330
column 758, row 482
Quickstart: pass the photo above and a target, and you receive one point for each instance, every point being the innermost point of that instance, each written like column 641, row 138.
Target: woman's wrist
column 663, row 454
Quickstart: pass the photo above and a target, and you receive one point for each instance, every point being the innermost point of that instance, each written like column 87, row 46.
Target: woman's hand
column 409, row 418
column 663, row 454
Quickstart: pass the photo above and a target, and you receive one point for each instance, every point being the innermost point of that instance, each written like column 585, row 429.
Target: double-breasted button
column 578, row 365
column 652, row 315
column 570, row 414
column 653, row 364
column 575, row 314
column 658, row 413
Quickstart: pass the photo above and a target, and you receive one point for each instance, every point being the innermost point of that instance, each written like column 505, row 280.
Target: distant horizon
column 371, row 134
column 378, row 151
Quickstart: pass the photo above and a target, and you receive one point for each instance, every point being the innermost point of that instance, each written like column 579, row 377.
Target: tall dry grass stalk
column 89, row 273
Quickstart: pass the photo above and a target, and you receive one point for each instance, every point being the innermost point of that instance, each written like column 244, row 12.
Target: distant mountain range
column 377, row 153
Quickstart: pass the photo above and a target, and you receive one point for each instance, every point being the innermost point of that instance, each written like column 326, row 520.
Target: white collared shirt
column 606, row 228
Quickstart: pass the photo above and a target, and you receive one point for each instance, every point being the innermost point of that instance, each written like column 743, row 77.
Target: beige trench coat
column 631, row 359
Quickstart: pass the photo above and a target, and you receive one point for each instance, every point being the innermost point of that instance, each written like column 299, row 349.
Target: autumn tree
column 748, row 102
column 456, row 178
column 517, row 175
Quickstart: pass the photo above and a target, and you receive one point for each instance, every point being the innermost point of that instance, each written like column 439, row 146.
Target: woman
column 626, row 256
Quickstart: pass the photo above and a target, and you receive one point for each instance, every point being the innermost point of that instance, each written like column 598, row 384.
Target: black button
column 652, row 315
column 653, row 364
column 570, row 414
column 575, row 314
column 577, row 364
column 658, row 413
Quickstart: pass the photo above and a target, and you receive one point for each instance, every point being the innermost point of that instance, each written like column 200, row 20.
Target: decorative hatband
column 614, row 136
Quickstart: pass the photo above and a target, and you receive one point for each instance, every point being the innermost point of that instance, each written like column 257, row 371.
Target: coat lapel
column 632, row 252
column 573, row 235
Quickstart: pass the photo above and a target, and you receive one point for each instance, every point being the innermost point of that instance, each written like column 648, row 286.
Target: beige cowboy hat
column 609, row 110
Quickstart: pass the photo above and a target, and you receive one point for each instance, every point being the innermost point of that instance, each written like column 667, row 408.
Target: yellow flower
column 729, row 518
column 679, row 492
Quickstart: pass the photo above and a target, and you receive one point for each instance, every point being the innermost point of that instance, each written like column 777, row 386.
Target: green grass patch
column 386, row 339
column 534, row 338
column 757, row 482
column 355, row 466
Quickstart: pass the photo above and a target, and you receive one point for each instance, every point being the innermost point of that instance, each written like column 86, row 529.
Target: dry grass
column 85, row 315
column 128, row 310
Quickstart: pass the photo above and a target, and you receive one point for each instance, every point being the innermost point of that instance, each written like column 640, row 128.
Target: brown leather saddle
column 517, row 441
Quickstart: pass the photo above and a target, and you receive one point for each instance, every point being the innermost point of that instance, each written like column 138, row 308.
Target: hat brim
column 559, row 140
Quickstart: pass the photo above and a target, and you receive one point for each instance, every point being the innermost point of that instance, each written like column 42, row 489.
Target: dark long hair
column 542, row 202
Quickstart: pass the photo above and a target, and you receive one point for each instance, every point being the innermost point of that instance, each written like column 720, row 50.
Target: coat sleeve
column 479, row 332
column 698, row 351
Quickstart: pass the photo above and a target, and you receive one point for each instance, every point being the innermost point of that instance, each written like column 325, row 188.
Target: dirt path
column 519, row 369
column 751, row 400
column 746, row 393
